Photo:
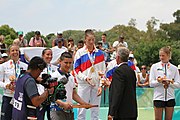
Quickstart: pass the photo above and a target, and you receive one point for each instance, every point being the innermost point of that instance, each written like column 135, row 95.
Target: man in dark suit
column 122, row 92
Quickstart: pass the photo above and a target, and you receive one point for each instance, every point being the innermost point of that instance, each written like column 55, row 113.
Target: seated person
column 143, row 77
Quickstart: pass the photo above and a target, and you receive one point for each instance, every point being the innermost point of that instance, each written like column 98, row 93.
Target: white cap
column 59, row 32
column 4, row 55
column 115, row 44
column 131, row 55
column 179, row 67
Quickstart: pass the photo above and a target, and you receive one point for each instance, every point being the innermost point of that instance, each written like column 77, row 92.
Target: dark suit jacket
column 122, row 93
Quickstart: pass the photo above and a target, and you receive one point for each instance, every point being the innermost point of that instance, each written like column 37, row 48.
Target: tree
column 132, row 22
column 177, row 16
column 172, row 30
column 9, row 33
column 151, row 31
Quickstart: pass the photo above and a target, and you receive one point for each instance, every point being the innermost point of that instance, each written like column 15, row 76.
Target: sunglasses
column 143, row 68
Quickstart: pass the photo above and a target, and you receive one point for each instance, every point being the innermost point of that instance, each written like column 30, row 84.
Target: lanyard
column 165, row 66
column 91, row 56
column 16, row 67
column 49, row 69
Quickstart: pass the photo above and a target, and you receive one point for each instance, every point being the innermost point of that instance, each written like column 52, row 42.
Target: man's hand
column 89, row 80
column 99, row 92
column 51, row 90
column 66, row 105
column 110, row 117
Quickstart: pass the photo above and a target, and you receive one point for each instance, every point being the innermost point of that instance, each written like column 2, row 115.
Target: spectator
column 1, row 59
column 88, row 61
column 58, row 49
column 71, row 46
column 20, row 41
column 59, row 37
column 179, row 68
column 131, row 62
column 121, row 40
column 4, row 57
column 37, row 40
column 26, row 98
column 106, row 46
column 80, row 44
column 10, row 71
column 3, row 46
column 100, row 47
column 143, row 77
column 161, row 74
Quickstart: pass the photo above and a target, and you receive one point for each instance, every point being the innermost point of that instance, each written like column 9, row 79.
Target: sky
column 50, row 16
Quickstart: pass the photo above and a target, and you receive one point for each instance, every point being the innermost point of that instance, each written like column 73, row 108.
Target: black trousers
column 6, row 108
column 124, row 118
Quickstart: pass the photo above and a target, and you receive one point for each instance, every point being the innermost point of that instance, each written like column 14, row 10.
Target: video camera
column 59, row 88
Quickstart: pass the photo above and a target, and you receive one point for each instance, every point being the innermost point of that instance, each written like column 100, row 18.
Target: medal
column 92, row 69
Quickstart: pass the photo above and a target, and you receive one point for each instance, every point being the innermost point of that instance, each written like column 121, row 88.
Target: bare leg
column 169, row 113
column 158, row 113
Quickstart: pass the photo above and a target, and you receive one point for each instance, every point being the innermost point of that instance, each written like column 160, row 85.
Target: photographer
column 62, row 108
column 26, row 97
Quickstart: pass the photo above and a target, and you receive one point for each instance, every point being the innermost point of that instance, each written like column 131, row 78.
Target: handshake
column 165, row 81
column 103, row 80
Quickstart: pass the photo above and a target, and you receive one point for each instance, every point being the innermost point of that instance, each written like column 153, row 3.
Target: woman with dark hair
column 49, row 69
column 143, row 77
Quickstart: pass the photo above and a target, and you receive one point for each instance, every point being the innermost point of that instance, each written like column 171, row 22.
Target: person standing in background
column 58, row 38
column 121, row 40
column 88, row 61
column 106, row 47
column 3, row 46
column 122, row 91
column 164, row 77
column 20, row 41
column 37, row 40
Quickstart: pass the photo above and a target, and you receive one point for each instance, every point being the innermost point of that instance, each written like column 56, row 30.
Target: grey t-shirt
column 31, row 88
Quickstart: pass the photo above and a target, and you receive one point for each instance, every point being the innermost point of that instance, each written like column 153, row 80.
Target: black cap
column 37, row 33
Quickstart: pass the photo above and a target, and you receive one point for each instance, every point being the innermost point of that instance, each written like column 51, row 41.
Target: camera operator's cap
column 115, row 44
column 37, row 33
column 131, row 56
column 4, row 55
column 59, row 33
column 20, row 33
column 179, row 67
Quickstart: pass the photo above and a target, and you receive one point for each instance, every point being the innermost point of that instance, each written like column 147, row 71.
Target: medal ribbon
column 17, row 69
column 92, row 56
column 49, row 69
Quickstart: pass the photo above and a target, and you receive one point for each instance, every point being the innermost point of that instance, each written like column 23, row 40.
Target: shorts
column 163, row 104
